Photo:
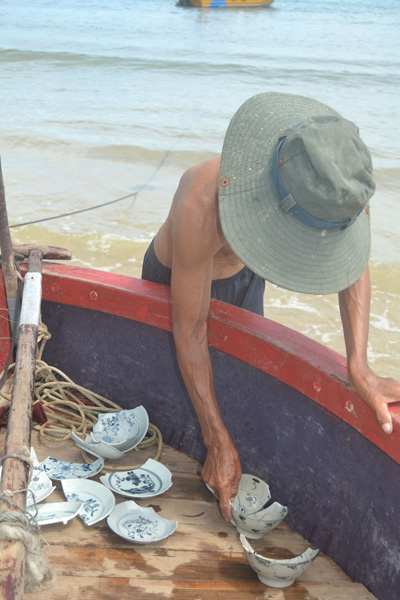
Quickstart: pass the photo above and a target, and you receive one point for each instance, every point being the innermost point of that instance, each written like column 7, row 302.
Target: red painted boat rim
column 304, row 364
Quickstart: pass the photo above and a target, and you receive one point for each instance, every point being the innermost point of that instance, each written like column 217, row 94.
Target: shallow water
column 102, row 100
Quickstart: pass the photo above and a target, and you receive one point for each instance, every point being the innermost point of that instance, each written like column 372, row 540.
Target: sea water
column 102, row 100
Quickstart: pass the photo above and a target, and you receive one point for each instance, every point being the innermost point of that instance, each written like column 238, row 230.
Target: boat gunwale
column 302, row 363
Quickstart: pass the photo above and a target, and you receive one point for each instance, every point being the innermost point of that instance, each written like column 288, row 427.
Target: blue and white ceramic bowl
column 249, row 514
column 123, row 430
column 256, row 525
column 278, row 573
column 139, row 525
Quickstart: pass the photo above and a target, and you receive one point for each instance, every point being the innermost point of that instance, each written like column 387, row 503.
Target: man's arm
column 196, row 239
column 377, row 392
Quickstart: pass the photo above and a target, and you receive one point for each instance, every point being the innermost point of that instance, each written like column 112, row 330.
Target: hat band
column 289, row 204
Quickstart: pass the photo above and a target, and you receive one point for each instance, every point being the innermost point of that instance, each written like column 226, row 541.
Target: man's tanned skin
column 191, row 243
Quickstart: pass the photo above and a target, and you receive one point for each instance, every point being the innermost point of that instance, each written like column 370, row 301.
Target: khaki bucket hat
column 295, row 181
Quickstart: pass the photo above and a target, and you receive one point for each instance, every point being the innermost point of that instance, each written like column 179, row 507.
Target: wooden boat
column 295, row 422
column 225, row 3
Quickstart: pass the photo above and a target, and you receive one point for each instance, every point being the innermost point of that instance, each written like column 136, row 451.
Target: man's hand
column 377, row 392
column 222, row 472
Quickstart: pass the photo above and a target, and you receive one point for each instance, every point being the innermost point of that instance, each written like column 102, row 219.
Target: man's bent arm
column 196, row 239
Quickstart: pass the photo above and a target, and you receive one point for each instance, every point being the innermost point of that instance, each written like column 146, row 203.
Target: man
column 287, row 202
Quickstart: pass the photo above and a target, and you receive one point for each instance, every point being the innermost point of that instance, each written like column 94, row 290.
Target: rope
column 18, row 526
column 134, row 194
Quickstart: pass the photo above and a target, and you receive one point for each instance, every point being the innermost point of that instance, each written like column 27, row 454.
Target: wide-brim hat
column 300, row 254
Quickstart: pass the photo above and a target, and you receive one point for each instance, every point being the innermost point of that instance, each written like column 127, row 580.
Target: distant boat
column 225, row 3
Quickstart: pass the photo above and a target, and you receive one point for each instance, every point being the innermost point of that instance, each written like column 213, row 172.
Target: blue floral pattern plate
column 98, row 501
column 151, row 479
column 139, row 525
column 55, row 512
column 59, row 469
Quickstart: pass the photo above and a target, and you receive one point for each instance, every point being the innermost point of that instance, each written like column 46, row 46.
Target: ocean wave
column 247, row 64
column 124, row 153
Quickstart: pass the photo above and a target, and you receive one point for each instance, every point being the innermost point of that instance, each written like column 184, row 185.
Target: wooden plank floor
column 202, row 560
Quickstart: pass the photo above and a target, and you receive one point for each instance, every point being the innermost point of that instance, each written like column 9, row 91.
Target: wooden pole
column 7, row 253
column 15, row 476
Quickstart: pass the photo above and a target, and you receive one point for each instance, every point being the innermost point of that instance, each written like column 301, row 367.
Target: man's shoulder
column 206, row 172
column 200, row 182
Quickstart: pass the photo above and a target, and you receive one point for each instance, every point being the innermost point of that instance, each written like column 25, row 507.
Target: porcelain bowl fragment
column 278, row 573
column 99, row 449
column 98, row 501
column 151, row 479
column 123, row 430
column 139, row 525
column 249, row 514
column 252, row 495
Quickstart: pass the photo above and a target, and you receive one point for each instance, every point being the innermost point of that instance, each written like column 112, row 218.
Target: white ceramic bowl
column 123, row 430
column 98, row 501
column 139, row 525
column 256, row 525
column 151, row 479
column 248, row 513
column 278, row 573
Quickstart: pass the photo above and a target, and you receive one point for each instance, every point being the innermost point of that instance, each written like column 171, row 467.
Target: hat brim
column 270, row 242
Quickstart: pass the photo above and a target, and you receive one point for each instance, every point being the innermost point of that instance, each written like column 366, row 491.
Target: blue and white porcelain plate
column 98, row 501
column 55, row 512
column 152, row 479
column 139, row 525
column 59, row 469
